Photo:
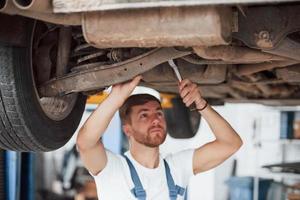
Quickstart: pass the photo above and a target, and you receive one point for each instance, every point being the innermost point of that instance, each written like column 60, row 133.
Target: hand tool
column 192, row 107
column 175, row 69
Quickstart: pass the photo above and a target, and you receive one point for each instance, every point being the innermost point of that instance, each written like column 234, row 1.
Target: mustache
column 155, row 127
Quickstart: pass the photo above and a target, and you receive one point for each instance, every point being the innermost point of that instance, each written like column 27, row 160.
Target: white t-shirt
column 114, row 181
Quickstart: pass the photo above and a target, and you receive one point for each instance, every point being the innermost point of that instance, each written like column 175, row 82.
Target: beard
column 154, row 136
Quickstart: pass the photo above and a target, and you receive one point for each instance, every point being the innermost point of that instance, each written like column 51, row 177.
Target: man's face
column 148, row 125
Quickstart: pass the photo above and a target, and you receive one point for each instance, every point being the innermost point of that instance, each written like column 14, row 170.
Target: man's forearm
column 91, row 132
column 93, row 129
column 220, row 127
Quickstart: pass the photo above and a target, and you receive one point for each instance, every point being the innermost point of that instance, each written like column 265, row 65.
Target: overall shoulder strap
column 138, row 190
column 174, row 190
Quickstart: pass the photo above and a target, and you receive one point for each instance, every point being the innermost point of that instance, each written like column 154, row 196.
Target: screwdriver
column 192, row 107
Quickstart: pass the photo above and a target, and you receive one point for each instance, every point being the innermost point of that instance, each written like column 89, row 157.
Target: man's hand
column 123, row 90
column 190, row 93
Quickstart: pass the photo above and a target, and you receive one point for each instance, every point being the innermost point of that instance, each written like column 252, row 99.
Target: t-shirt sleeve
column 111, row 168
column 181, row 165
column 111, row 178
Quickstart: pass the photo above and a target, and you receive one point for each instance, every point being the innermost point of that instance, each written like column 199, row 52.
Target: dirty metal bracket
column 103, row 76
column 264, row 27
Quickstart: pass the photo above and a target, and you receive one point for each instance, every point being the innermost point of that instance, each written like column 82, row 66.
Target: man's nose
column 155, row 120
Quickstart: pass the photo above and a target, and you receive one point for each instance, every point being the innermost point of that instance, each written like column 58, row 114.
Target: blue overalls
column 139, row 192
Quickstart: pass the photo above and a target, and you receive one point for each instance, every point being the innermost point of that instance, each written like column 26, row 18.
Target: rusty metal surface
column 63, row 51
column 199, row 61
column 243, row 70
column 269, row 90
column 235, row 54
column 288, row 48
column 159, row 27
column 289, row 74
column 66, row 6
column 273, row 81
column 236, row 94
column 215, row 91
column 203, row 74
column 260, row 81
column 209, row 91
column 99, row 78
column 266, row 90
column 247, row 90
column 265, row 26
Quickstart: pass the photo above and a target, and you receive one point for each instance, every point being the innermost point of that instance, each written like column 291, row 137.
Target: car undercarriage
column 245, row 52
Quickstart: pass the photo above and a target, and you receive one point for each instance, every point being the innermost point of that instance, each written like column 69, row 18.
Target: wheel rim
column 44, row 44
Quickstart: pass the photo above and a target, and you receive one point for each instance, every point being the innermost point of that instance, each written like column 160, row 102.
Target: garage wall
column 259, row 127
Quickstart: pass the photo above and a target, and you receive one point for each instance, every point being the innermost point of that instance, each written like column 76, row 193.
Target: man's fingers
column 187, row 97
column 187, row 89
column 190, row 98
column 184, row 83
column 135, row 81
column 189, row 92
column 184, row 92
column 189, row 103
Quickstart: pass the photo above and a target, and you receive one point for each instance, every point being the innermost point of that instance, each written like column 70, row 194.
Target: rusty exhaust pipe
column 44, row 6
column 235, row 54
column 245, row 70
column 8, row 7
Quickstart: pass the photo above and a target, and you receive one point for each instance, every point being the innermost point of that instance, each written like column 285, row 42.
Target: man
column 142, row 174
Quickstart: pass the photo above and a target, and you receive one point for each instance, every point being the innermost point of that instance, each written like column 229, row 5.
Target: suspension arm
column 103, row 76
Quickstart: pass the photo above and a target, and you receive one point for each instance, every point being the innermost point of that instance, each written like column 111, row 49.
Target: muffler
column 159, row 27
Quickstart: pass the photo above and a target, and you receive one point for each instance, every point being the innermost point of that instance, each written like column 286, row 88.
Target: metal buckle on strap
column 173, row 193
column 180, row 190
column 139, row 192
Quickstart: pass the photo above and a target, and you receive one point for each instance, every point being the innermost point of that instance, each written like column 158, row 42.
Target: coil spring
column 88, row 57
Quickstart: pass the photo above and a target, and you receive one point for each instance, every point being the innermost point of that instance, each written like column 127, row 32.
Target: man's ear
column 127, row 130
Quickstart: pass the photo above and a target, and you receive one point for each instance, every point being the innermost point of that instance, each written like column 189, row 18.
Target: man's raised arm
column 227, row 140
column 88, row 142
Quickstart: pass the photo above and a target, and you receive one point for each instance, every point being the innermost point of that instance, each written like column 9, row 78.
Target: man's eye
column 144, row 115
column 160, row 113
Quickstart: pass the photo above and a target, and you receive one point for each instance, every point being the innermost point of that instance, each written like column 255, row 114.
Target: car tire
column 27, row 123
